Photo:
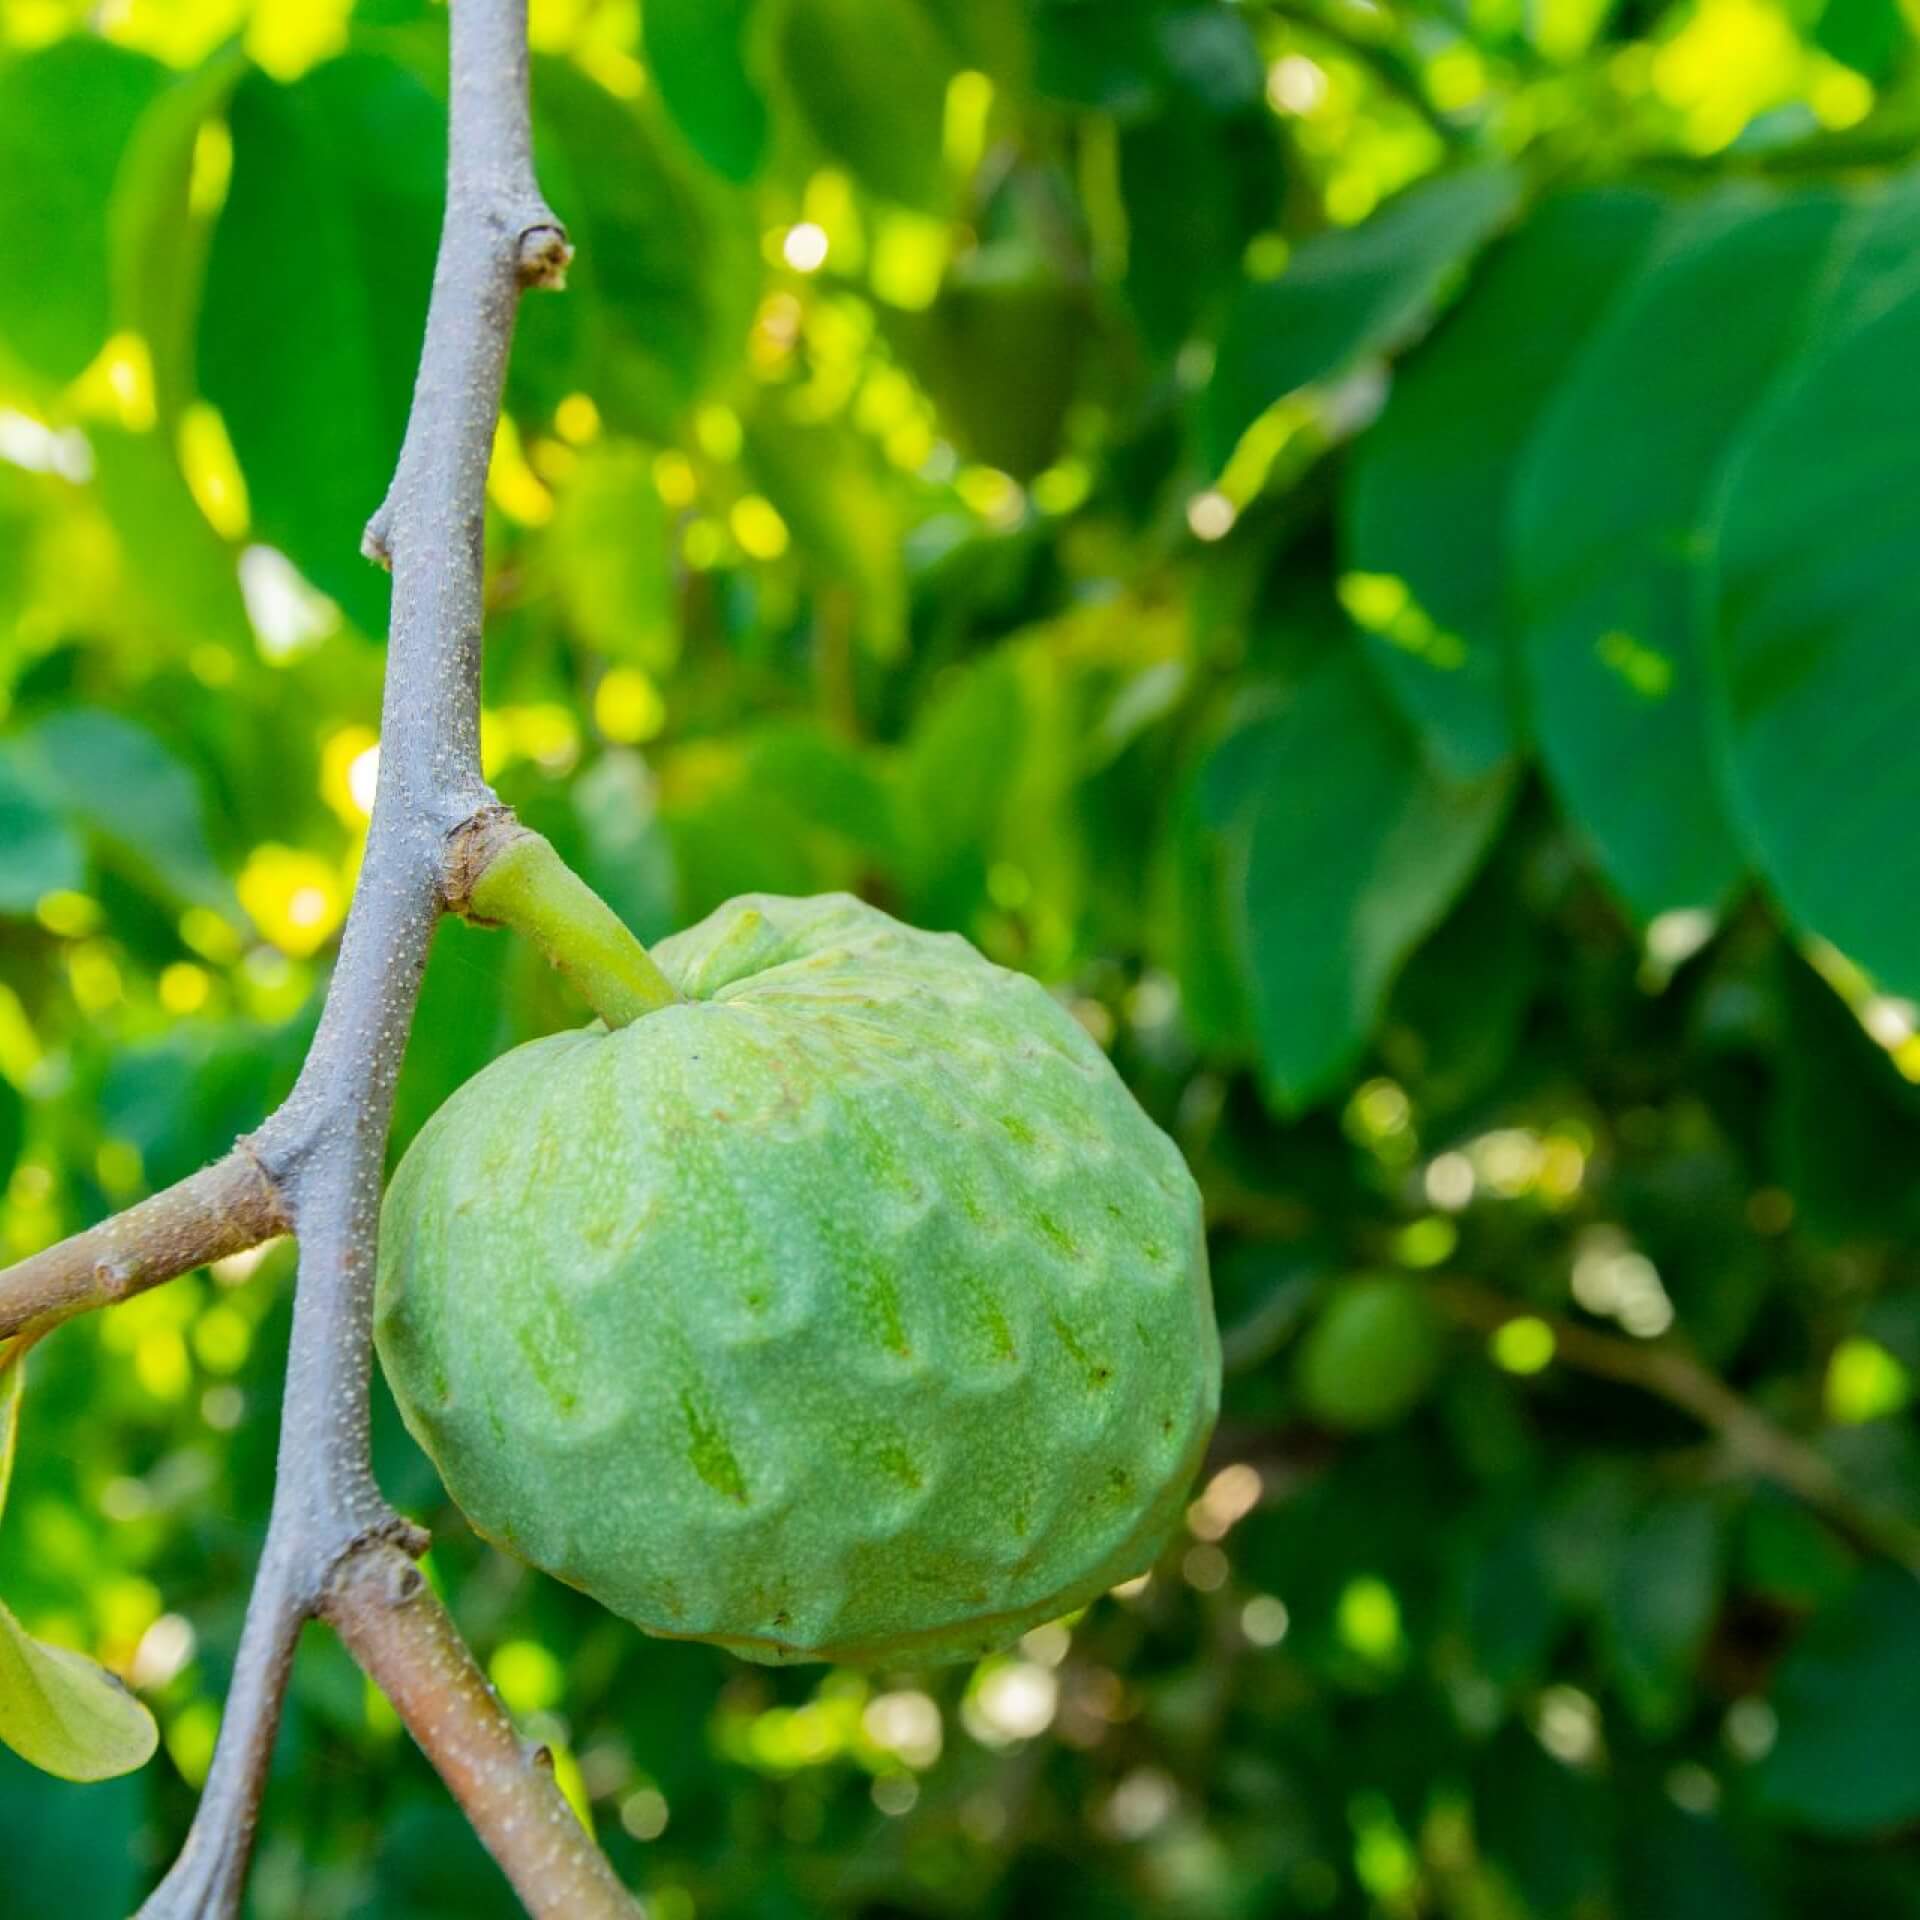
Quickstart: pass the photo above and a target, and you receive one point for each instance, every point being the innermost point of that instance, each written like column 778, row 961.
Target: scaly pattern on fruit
column 847, row 1308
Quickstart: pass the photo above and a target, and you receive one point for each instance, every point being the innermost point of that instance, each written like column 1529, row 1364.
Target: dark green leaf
column 1607, row 541
column 1848, row 1699
column 127, row 791
column 1341, row 850
column 1345, row 294
column 316, row 296
column 1427, row 498
column 697, row 50
column 871, row 77
column 1660, row 1604
column 66, row 114
column 660, row 289
column 1819, row 680
column 39, row 851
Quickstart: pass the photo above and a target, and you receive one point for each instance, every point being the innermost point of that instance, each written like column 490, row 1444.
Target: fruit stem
column 528, row 887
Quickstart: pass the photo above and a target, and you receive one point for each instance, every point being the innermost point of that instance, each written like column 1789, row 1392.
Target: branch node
column 376, row 542
column 472, row 847
column 542, row 255
column 404, row 1581
column 539, row 1755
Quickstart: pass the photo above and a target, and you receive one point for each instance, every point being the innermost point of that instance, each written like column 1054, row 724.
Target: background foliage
column 1369, row 546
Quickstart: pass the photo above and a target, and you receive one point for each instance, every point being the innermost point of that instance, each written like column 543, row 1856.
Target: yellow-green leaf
column 65, row 1714
column 13, row 1383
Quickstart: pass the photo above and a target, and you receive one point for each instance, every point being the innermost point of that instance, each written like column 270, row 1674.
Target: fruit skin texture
column 850, row 1309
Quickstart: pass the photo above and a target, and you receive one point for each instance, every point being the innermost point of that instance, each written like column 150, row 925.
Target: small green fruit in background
column 849, row 1308
column 1370, row 1357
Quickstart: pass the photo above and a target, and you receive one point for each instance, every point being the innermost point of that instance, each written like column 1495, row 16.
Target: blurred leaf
column 1659, row 1605
column 126, row 790
column 1196, row 189
column 157, row 242
column 845, row 521
column 627, row 858
column 1543, row 1823
column 999, row 353
column 1677, row 1865
column 1372, row 1353
column 1607, row 545
column 1340, row 851
column 39, row 852
column 71, row 1853
column 183, row 1097
column 871, row 77
column 65, row 1714
column 458, row 1028
column 13, row 1385
column 1427, row 503
column 1346, row 293
column 316, row 297
column 1818, row 682
column 1848, row 1700
column 67, row 112
column 660, row 288
column 610, row 558
column 697, row 53
column 177, row 568
column 1848, row 1121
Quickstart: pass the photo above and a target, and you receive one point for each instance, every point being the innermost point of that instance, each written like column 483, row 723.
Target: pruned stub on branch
column 334, row 1549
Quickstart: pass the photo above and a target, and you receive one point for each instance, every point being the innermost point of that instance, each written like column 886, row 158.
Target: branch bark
column 225, row 1208
column 334, row 1548
column 1670, row 1373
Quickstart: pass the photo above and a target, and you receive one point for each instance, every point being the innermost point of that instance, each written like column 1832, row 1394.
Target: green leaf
column 1848, row 1699
column 609, row 556
column 1427, row 496
column 1346, row 293
column 664, row 276
column 179, row 572
column 66, row 113
column 1370, row 1357
column 870, row 77
column 66, row 1714
column 1818, row 678
column 316, row 298
column 697, row 52
column 1607, row 544
column 39, row 851
column 71, row 1853
column 1659, row 1605
column 128, row 793
column 157, row 244
column 13, row 1387
column 1340, row 851
column 845, row 516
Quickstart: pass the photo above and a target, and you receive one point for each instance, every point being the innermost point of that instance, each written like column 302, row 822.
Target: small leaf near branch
column 13, row 1385
column 64, row 1713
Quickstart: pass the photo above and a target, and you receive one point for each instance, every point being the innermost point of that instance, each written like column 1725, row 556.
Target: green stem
column 528, row 887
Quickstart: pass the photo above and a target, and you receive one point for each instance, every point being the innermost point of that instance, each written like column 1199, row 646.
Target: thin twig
column 1669, row 1372
column 225, row 1208
column 334, row 1547
column 400, row 1634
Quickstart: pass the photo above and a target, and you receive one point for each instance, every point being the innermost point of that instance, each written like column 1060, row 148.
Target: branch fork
column 335, row 1550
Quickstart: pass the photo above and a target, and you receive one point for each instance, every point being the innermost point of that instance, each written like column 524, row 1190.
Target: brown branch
column 1668, row 1371
column 225, row 1208
column 398, row 1631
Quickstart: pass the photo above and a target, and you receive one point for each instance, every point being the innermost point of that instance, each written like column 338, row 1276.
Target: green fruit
column 1372, row 1354
column 849, row 1309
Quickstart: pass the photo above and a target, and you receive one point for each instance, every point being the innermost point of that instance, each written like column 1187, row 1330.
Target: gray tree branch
column 334, row 1548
